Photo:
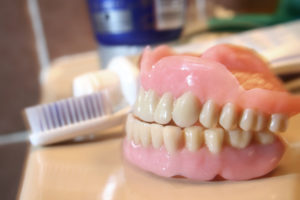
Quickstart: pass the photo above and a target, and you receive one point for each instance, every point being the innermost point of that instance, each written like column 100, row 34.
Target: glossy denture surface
column 210, row 76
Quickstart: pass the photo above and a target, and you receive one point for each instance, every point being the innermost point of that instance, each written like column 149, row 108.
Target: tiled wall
column 67, row 27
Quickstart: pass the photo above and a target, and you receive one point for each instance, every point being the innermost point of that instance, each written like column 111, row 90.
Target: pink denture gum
column 224, row 73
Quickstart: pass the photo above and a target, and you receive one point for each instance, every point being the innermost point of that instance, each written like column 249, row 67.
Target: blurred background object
column 246, row 14
column 66, row 29
column 124, row 27
column 19, row 68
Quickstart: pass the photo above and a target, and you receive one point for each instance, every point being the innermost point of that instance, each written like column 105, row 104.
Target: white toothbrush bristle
column 70, row 105
column 95, row 107
column 55, row 115
column 42, row 118
column 67, row 112
column 60, row 110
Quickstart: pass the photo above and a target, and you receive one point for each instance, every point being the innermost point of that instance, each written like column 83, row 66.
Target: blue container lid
column 131, row 22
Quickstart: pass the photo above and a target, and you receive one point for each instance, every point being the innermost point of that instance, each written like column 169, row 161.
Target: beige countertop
column 95, row 169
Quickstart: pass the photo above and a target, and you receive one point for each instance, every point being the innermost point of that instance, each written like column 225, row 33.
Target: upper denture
column 211, row 76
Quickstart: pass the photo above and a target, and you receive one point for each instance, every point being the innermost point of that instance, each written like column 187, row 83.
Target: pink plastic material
column 207, row 78
column 232, row 164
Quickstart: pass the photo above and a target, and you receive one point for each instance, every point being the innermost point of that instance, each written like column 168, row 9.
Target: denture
column 213, row 115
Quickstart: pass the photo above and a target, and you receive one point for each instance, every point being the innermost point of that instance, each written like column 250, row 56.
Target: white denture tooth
column 261, row 122
column 163, row 111
column 138, row 104
column 229, row 116
column 278, row 123
column 193, row 137
column 209, row 114
column 148, row 106
column 144, row 133
column 264, row 137
column 214, row 139
column 172, row 136
column 239, row 139
column 136, row 131
column 248, row 119
column 129, row 127
column 156, row 131
column 186, row 110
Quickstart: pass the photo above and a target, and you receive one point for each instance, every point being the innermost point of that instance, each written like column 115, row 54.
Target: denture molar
column 264, row 137
column 186, row 110
column 239, row 139
column 163, row 112
column 193, row 137
column 209, row 114
column 214, row 139
column 278, row 123
column 156, row 131
column 229, row 116
column 248, row 119
column 261, row 122
column 172, row 136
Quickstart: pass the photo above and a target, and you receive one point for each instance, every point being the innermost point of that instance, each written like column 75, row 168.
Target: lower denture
column 182, row 126
column 204, row 154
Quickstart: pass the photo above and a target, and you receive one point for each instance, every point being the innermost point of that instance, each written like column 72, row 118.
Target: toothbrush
column 77, row 116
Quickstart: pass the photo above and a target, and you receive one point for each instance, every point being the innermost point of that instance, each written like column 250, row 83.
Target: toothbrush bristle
column 68, row 111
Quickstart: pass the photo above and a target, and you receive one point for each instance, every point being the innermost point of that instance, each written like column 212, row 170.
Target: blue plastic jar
column 136, row 22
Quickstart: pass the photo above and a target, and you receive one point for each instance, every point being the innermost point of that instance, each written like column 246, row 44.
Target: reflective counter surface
column 96, row 170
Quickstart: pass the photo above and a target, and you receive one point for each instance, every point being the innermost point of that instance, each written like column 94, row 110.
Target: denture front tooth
column 248, row 119
column 239, row 139
column 214, row 139
column 278, row 123
column 138, row 104
column 129, row 127
column 186, row 110
column 136, row 131
column 172, row 136
column 193, row 137
column 228, row 117
column 209, row 114
column 148, row 105
column 261, row 122
column 144, row 132
column 156, row 135
column 163, row 111
column 264, row 137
